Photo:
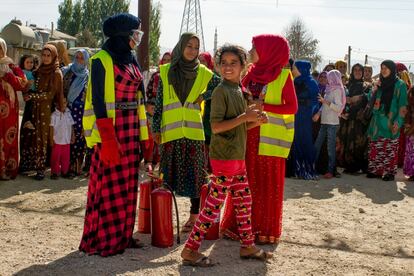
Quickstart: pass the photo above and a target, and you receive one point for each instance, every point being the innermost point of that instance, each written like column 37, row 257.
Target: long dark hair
column 23, row 59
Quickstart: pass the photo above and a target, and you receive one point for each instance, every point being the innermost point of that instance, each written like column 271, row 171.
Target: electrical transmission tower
column 191, row 21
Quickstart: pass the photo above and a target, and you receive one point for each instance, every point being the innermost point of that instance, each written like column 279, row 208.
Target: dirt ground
column 346, row 226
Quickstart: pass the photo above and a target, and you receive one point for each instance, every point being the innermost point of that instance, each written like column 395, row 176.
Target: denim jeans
column 330, row 131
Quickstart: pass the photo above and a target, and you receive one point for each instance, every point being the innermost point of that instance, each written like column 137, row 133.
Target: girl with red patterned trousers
column 230, row 119
column 271, row 87
column 114, row 122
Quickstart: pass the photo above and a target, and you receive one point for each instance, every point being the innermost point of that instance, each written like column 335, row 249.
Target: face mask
column 136, row 37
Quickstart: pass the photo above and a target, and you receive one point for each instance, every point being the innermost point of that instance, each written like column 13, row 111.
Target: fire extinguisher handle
column 176, row 211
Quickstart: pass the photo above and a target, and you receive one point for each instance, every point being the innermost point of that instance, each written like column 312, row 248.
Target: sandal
column 187, row 227
column 260, row 255
column 201, row 261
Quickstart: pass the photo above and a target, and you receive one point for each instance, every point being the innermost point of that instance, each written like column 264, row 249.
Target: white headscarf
column 3, row 46
column 4, row 61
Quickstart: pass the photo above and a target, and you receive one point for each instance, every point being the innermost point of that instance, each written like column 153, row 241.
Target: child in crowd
column 27, row 65
column 151, row 153
column 332, row 105
column 230, row 119
column 61, row 136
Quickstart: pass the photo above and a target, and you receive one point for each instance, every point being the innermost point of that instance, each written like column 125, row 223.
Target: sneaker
column 328, row 175
column 54, row 176
column 388, row 177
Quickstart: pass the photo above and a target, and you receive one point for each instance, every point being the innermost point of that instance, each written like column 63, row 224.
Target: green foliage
column 155, row 33
column 75, row 22
column 65, row 11
column 86, row 39
column 301, row 42
column 85, row 18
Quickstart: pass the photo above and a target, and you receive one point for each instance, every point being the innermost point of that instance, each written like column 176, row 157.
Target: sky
column 382, row 29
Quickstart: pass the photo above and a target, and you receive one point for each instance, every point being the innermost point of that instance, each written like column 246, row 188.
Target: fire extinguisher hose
column 176, row 211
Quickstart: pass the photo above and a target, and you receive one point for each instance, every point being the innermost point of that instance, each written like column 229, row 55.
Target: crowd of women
column 238, row 122
column 51, row 132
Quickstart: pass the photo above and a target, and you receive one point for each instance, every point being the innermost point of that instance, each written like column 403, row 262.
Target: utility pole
column 366, row 59
column 144, row 11
column 349, row 60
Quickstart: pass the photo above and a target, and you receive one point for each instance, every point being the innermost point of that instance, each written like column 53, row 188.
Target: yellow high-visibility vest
column 89, row 119
column 276, row 136
column 178, row 120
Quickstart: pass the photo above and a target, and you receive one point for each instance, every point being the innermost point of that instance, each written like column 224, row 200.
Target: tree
column 155, row 33
column 302, row 44
column 75, row 22
column 86, row 39
column 65, row 11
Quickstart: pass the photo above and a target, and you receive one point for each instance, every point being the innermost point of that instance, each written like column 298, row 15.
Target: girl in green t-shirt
column 230, row 119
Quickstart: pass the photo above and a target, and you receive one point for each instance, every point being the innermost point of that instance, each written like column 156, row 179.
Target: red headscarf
column 162, row 58
column 273, row 51
column 401, row 67
column 209, row 60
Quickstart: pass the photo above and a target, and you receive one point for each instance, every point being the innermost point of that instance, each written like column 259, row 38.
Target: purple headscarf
column 334, row 83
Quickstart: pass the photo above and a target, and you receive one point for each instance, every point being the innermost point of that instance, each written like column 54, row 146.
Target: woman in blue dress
column 303, row 152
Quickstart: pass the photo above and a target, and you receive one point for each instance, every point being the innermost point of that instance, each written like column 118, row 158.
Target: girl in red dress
column 266, row 174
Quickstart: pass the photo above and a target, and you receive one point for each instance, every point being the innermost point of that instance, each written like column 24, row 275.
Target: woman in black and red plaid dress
column 113, row 184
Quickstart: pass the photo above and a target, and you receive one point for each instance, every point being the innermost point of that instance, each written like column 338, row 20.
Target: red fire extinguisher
column 161, row 217
column 144, row 209
column 213, row 231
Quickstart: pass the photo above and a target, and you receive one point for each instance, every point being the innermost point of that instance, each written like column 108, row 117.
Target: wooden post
column 144, row 10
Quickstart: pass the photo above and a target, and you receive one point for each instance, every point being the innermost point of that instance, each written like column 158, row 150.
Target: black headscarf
column 118, row 29
column 356, row 86
column 387, row 84
column 182, row 73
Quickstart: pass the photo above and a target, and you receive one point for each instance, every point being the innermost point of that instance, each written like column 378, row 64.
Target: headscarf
column 273, row 51
column 62, row 52
column 48, row 69
column 322, row 87
column 4, row 61
column 118, row 29
column 401, row 67
column 387, row 84
column 356, row 86
column 182, row 73
column 209, row 60
column 161, row 60
column 3, row 46
column 405, row 77
column 304, row 68
column 81, row 71
column 329, row 65
column 335, row 83
column 340, row 62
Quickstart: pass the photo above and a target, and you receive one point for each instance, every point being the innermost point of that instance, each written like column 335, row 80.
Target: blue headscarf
column 304, row 68
column 309, row 87
column 81, row 72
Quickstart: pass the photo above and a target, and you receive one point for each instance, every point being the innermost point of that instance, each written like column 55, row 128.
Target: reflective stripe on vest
column 91, row 131
column 183, row 120
column 276, row 135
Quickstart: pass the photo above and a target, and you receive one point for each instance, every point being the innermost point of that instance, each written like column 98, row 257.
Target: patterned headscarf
column 81, row 71
column 335, row 83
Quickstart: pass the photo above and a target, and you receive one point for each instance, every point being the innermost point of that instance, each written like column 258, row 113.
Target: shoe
column 39, row 176
column 328, row 175
column 337, row 174
column 388, row 177
column 54, row 176
column 411, row 178
column 67, row 176
column 371, row 175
